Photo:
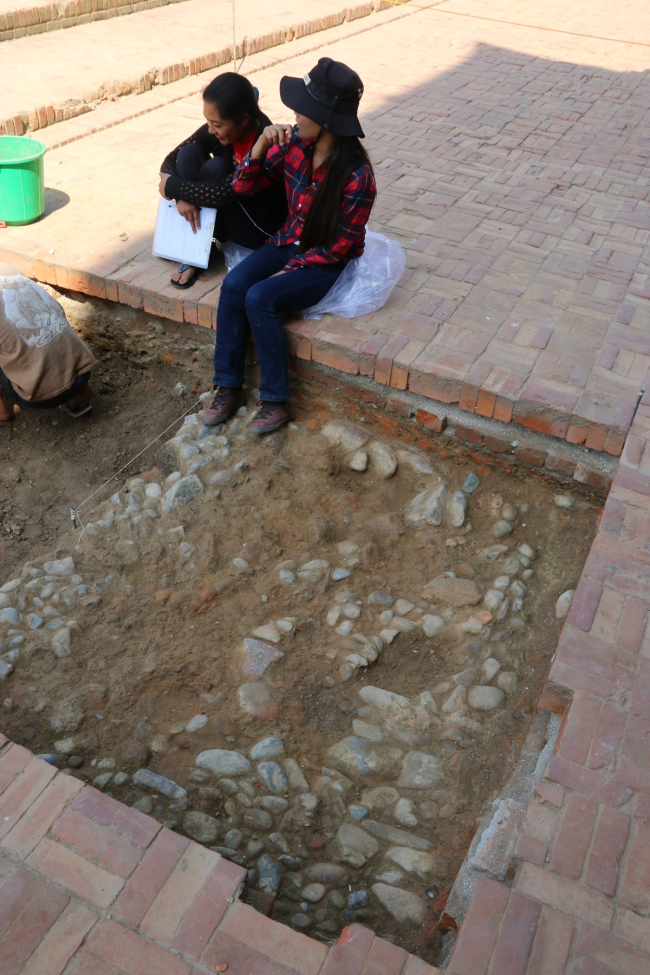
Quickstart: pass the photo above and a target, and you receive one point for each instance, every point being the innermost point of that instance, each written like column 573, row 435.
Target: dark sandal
column 188, row 284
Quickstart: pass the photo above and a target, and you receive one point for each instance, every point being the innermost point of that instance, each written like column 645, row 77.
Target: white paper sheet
column 173, row 237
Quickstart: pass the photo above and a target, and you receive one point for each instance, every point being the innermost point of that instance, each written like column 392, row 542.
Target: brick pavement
column 513, row 169
column 16, row 21
column 89, row 886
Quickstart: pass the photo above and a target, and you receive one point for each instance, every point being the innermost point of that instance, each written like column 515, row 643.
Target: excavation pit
column 320, row 653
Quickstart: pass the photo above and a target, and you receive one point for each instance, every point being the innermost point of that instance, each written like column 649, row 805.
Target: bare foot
column 185, row 276
column 78, row 404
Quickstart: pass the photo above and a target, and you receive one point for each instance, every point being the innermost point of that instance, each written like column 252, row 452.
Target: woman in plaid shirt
column 330, row 192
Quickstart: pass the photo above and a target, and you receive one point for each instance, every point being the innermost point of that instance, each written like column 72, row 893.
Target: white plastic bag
column 366, row 282
column 234, row 254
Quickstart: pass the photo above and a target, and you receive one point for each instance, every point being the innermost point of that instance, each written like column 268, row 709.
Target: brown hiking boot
column 271, row 416
column 225, row 403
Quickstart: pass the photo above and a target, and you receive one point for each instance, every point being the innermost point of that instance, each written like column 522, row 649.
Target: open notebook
column 173, row 237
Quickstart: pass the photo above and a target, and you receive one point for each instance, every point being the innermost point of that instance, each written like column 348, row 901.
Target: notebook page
column 173, row 237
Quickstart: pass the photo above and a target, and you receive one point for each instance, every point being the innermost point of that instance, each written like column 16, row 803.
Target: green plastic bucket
column 22, row 189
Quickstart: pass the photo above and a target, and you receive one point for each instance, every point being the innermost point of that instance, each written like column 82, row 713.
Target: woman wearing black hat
column 330, row 192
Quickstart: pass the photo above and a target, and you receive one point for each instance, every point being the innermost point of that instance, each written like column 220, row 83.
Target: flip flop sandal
column 66, row 409
column 188, row 284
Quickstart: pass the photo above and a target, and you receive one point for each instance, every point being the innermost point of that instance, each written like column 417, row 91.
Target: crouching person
column 43, row 362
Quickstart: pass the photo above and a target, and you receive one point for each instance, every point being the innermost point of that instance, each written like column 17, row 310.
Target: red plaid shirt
column 293, row 162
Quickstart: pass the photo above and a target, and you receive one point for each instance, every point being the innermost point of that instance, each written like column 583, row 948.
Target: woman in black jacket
column 198, row 173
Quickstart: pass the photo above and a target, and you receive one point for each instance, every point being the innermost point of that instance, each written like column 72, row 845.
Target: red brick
column 15, row 894
column 498, row 444
column 591, row 477
column 22, row 792
column 615, row 442
column 468, row 434
column 109, row 812
column 632, row 626
column 579, row 728
column 61, row 941
column 120, row 946
column 478, row 932
column 585, row 603
column 587, row 783
column 240, row 958
column 371, row 396
column 552, row 944
column 29, row 928
column 544, row 422
column 12, row 762
column 415, row 966
column 635, row 889
column 117, row 853
column 516, row 935
column 79, row 875
column 398, row 406
column 573, row 839
column 630, row 927
column 503, row 410
column 36, row 821
column 85, row 964
column 431, row 421
column 529, row 848
column 565, row 896
column 550, row 792
column 208, row 908
column 609, row 843
column 576, row 434
column 485, row 403
column 384, row 959
column 468, row 398
column 529, row 455
column 561, row 465
column 596, row 437
column 609, row 731
column 601, row 947
column 434, row 387
column 178, row 893
column 275, row 940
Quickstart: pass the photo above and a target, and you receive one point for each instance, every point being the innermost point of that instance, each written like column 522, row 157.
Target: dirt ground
column 159, row 638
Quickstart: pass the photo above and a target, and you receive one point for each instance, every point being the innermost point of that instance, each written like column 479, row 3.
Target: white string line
column 75, row 508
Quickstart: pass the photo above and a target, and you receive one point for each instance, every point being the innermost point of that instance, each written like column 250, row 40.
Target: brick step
column 20, row 21
column 52, row 77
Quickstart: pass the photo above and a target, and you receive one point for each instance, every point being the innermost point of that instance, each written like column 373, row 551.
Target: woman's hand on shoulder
column 273, row 135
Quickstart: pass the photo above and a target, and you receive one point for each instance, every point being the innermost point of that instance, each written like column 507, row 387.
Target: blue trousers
column 77, row 387
column 250, row 296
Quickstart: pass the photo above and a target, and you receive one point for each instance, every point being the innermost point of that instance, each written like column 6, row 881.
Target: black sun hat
column 329, row 95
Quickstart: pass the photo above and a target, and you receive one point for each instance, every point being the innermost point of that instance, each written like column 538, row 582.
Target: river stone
column 166, row 787
column 256, row 699
column 485, row 698
column 274, row 777
column 453, row 592
column 383, row 459
column 501, row 528
column 314, row 571
column 326, row 873
column 490, row 669
column 132, row 755
column 258, row 819
column 221, row 762
column 269, row 873
column 184, row 491
column 563, row 605
column 60, row 567
column 471, row 483
column 358, row 461
column 371, row 732
column 61, row 642
column 343, row 433
column 413, row 861
column 257, row 657
column 432, row 625
column 382, row 797
column 313, row 893
column 383, row 700
column 397, row 836
column 10, row 616
column 297, row 780
column 200, row 827
column 427, row 508
column 196, row 723
column 493, row 599
column 456, row 508
column 455, row 700
column 416, row 459
column 379, row 598
column 268, row 631
column 355, row 846
column 420, row 770
column 354, row 756
column 508, row 682
column 491, row 553
column 403, row 814
column 267, row 748
column 405, row 907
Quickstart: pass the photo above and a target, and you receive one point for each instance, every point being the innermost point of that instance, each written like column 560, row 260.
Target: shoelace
column 220, row 399
column 266, row 410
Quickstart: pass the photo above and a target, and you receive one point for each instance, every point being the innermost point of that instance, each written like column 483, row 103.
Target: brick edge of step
column 47, row 17
column 44, row 115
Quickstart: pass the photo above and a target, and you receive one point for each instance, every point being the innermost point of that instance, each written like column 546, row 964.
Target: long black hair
column 325, row 212
column 234, row 97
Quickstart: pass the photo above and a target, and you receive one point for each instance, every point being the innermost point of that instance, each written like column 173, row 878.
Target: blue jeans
column 251, row 296
column 77, row 387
